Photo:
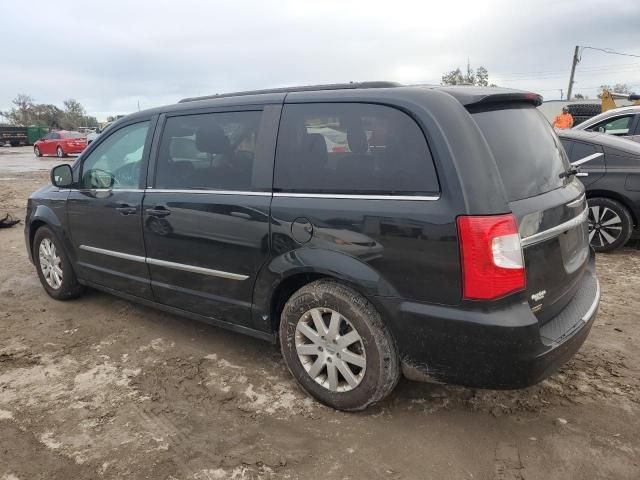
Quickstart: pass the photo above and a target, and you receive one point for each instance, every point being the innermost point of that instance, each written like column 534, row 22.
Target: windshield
column 526, row 148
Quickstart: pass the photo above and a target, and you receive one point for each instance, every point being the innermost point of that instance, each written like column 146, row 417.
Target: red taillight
column 492, row 261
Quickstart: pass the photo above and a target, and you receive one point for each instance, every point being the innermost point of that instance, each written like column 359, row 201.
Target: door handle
column 582, row 174
column 158, row 212
column 125, row 209
column 246, row 216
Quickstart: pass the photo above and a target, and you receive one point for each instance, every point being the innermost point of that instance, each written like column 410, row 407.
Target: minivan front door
column 206, row 219
column 105, row 212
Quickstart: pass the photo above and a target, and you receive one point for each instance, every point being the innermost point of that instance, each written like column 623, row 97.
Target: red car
column 60, row 143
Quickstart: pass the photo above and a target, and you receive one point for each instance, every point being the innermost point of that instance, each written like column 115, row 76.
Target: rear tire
column 53, row 266
column 610, row 224
column 60, row 153
column 337, row 347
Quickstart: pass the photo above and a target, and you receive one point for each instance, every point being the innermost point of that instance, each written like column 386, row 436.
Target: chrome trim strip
column 111, row 253
column 213, row 192
column 164, row 263
column 194, row 269
column 593, row 156
column 577, row 200
column 587, row 316
column 557, row 230
column 115, row 190
column 347, row 196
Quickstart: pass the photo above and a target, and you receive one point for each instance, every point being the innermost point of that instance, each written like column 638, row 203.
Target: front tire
column 610, row 224
column 337, row 347
column 60, row 152
column 37, row 151
column 53, row 266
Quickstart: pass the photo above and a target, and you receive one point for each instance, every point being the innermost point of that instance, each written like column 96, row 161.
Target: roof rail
column 302, row 88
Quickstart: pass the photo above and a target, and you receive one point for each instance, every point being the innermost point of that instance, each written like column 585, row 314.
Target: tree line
column 26, row 112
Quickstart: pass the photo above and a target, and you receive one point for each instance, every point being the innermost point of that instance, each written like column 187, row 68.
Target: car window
column 72, row 135
column 117, row 161
column 567, row 145
column 47, row 136
column 54, row 136
column 352, row 149
column 208, row 151
column 526, row 149
column 581, row 150
column 614, row 126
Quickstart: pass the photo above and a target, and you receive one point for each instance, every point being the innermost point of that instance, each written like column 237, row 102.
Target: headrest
column 357, row 140
column 315, row 142
column 211, row 139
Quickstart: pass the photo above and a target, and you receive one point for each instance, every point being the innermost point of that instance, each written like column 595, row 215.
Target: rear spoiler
column 484, row 96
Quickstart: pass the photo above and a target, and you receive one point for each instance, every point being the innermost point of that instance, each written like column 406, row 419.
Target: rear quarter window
column 352, row 148
column 527, row 150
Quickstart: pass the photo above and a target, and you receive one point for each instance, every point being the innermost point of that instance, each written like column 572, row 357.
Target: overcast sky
column 110, row 55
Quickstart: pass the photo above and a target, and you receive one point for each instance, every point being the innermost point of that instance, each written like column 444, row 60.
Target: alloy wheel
column 330, row 349
column 60, row 152
column 605, row 226
column 50, row 263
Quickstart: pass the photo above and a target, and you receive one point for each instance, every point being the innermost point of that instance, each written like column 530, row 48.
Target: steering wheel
column 128, row 174
column 98, row 172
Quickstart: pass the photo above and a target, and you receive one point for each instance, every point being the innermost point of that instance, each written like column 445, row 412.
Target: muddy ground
column 103, row 388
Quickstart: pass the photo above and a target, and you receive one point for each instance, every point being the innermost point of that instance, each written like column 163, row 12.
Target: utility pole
column 573, row 71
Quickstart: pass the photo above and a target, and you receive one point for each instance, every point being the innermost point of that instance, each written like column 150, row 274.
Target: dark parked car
column 612, row 178
column 446, row 238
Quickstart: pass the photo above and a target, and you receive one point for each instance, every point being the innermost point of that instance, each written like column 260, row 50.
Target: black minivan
column 370, row 228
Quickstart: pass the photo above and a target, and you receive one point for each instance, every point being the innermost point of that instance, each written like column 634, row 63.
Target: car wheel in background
column 337, row 347
column 610, row 224
column 59, row 152
column 53, row 266
column 37, row 151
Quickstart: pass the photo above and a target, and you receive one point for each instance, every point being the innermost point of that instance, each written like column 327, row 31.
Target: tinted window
column 614, row 126
column 54, row 136
column 208, row 151
column 117, row 161
column 566, row 144
column 352, row 149
column 72, row 135
column 581, row 150
column 526, row 149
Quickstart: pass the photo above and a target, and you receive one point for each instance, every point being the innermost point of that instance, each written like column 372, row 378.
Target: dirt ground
column 103, row 388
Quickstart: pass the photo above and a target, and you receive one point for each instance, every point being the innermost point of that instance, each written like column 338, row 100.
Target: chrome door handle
column 125, row 209
column 582, row 174
column 158, row 212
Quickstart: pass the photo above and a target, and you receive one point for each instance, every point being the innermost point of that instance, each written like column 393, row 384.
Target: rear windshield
column 526, row 148
column 72, row 135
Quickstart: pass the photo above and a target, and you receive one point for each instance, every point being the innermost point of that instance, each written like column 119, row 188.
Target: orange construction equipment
column 608, row 102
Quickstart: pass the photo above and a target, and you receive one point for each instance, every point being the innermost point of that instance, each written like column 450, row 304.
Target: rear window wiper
column 575, row 166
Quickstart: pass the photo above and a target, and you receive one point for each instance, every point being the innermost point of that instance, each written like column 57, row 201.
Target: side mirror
column 62, row 176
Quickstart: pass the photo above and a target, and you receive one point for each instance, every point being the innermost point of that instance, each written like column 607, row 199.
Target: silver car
column 621, row 122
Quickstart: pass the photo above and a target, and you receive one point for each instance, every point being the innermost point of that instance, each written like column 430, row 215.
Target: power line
column 609, row 50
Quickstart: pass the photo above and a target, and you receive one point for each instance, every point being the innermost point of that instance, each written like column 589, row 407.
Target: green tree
column 480, row 77
column 622, row 88
column 21, row 114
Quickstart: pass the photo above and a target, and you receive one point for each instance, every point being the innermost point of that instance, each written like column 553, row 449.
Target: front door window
column 116, row 163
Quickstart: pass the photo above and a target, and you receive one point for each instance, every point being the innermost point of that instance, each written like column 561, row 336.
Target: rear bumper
column 73, row 149
column 502, row 347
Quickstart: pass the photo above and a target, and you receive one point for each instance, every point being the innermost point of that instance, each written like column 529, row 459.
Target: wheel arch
column 44, row 216
column 289, row 272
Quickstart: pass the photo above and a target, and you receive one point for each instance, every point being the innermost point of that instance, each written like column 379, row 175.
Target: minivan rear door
column 206, row 219
column 550, row 205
